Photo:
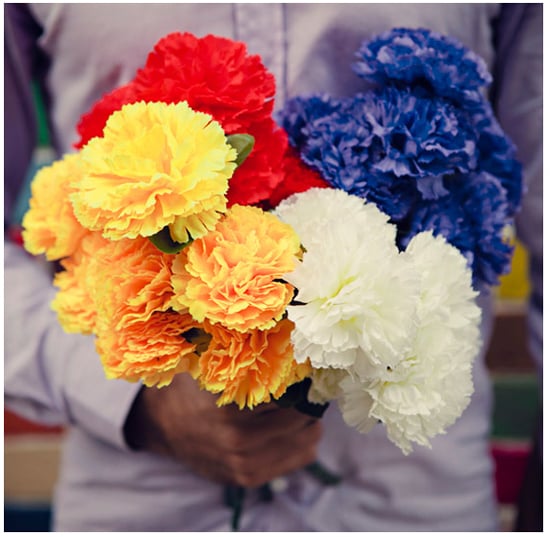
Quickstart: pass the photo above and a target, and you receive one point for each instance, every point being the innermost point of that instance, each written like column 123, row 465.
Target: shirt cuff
column 96, row 404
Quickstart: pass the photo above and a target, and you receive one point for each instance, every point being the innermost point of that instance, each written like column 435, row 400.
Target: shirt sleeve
column 20, row 131
column 49, row 376
column 518, row 101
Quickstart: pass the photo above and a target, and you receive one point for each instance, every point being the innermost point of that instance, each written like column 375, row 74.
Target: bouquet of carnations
column 343, row 252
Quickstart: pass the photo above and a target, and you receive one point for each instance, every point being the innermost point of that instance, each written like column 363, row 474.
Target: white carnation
column 306, row 211
column 357, row 296
column 355, row 403
column 428, row 390
column 325, row 385
column 447, row 293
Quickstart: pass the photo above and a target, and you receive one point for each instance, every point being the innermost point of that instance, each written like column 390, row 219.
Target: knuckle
column 310, row 454
column 316, row 431
column 243, row 473
column 234, row 441
column 250, row 480
column 237, row 464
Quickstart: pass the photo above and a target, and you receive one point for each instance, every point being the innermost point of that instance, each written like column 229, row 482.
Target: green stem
column 323, row 474
column 234, row 498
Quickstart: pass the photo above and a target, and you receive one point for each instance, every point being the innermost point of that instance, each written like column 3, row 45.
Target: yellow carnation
column 233, row 274
column 156, row 165
column 50, row 226
column 250, row 368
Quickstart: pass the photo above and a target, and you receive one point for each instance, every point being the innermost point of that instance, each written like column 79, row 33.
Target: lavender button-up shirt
column 79, row 51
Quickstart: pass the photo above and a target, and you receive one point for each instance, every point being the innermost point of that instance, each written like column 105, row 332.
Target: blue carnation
column 301, row 114
column 388, row 146
column 497, row 155
column 472, row 217
column 420, row 58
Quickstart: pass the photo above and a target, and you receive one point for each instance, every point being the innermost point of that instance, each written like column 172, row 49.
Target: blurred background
column 31, row 452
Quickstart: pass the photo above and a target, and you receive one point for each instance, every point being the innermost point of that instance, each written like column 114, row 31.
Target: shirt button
column 279, row 484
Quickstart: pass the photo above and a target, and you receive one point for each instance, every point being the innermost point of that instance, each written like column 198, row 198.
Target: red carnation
column 297, row 177
column 213, row 74
column 93, row 123
column 255, row 180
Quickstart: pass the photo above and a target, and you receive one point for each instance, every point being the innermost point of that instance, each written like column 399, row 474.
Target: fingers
column 227, row 445
column 254, row 431
column 250, row 453
column 286, row 454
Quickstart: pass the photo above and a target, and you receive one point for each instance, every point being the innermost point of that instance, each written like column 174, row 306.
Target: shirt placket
column 262, row 28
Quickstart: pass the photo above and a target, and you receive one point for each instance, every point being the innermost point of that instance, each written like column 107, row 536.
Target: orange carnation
column 74, row 302
column 131, row 282
column 152, row 351
column 250, row 368
column 233, row 274
column 50, row 226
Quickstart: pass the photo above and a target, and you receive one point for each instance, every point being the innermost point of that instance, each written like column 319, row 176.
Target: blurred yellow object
column 515, row 284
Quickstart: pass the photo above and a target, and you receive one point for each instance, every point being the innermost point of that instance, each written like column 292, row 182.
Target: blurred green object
column 43, row 156
column 43, row 129
column 516, row 399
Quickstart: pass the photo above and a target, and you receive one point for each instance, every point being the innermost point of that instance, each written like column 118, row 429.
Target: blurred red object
column 15, row 234
column 510, row 459
column 16, row 425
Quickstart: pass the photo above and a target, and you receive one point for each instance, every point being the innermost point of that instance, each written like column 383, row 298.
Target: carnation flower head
column 447, row 293
column 233, row 274
column 473, row 217
column 156, row 165
column 307, row 211
column 152, row 352
column 425, row 392
column 479, row 204
column 300, row 115
column 249, row 368
column 419, row 399
column 361, row 307
column 213, row 74
column 131, row 281
column 92, row 123
column 390, row 147
column 74, row 302
column 138, row 337
column 438, row 64
column 497, row 155
column 297, row 177
column 326, row 385
column 50, row 226
column 255, row 180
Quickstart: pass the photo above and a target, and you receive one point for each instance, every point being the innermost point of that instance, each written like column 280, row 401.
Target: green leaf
column 243, row 144
column 164, row 242
column 199, row 338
